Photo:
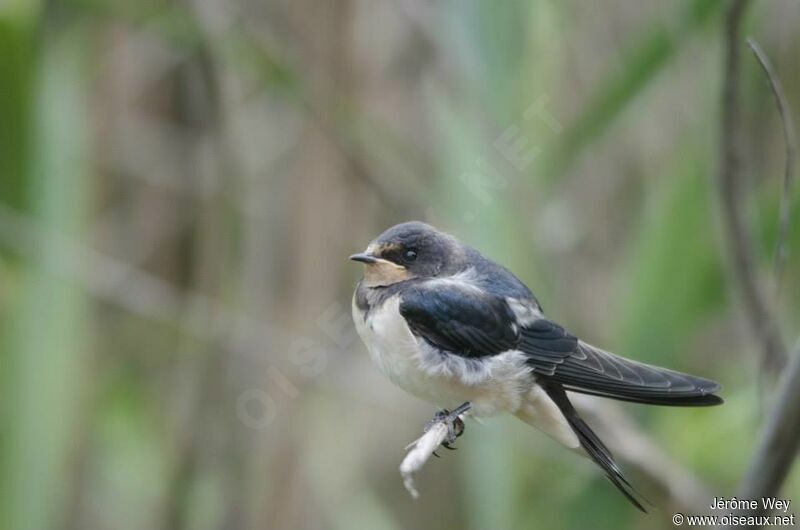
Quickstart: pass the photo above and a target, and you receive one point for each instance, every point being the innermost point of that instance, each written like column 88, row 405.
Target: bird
column 452, row 327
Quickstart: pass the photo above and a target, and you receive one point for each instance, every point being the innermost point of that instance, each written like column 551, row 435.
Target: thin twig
column 759, row 316
column 421, row 451
column 790, row 140
column 423, row 447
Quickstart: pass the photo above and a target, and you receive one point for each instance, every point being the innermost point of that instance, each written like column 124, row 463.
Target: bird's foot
column 455, row 425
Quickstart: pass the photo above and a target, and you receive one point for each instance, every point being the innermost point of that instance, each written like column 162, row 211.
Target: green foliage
column 16, row 60
column 647, row 56
column 674, row 276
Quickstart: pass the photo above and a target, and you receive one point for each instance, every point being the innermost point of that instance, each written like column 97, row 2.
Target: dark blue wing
column 460, row 319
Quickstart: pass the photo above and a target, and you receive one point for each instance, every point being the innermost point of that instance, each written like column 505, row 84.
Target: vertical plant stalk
column 45, row 370
column 790, row 140
column 778, row 444
column 729, row 180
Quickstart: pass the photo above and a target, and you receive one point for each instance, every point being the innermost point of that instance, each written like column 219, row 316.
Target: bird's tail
column 593, row 446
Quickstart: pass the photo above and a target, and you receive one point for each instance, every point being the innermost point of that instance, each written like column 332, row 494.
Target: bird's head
column 407, row 251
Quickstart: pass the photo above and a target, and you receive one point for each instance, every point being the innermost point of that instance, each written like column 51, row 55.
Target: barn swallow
column 456, row 329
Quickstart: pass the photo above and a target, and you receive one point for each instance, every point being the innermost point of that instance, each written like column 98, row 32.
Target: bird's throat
column 383, row 273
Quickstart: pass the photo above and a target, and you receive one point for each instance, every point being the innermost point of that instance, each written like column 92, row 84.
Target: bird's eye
column 409, row 255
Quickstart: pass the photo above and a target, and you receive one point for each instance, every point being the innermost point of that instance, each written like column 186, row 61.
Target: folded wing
column 460, row 319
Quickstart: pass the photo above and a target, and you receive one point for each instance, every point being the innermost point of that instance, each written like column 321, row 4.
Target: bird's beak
column 364, row 258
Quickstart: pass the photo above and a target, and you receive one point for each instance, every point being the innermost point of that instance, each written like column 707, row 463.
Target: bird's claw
column 455, row 426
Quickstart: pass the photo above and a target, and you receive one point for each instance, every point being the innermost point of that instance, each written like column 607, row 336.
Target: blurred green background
column 181, row 183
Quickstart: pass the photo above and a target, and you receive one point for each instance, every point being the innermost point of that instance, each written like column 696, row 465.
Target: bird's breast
column 390, row 343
